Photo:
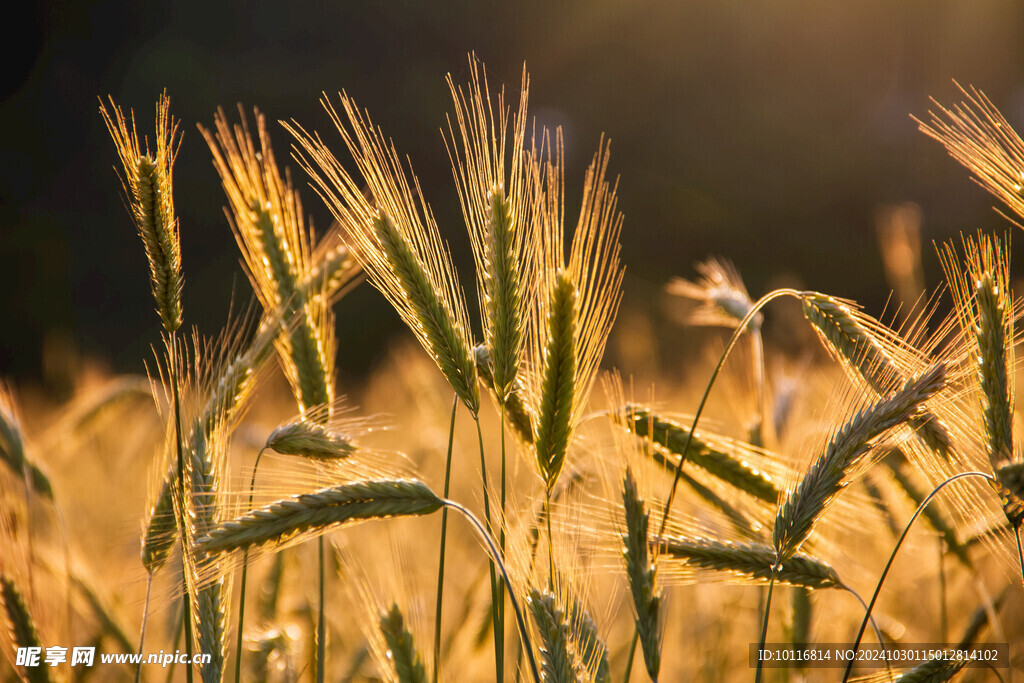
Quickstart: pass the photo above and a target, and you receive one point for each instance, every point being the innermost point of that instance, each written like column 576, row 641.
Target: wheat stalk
column 517, row 412
column 823, row 481
column 278, row 522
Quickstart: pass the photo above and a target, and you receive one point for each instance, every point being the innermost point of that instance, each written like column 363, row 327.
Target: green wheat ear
column 402, row 651
column 554, row 417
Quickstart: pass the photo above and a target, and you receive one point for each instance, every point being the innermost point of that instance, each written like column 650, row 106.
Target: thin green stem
column 145, row 620
column 321, row 624
column 740, row 329
column 499, row 647
column 942, row 591
column 892, row 558
column 496, row 559
column 632, row 654
column 444, row 539
column 500, row 623
column 551, row 541
column 1020, row 554
column 764, row 625
column 173, row 372
column 245, row 572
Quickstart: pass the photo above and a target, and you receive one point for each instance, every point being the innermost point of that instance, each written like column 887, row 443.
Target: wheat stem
column 145, row 620
column 444, row 543
column 499, row 647
column 245, row 572
column 496, row 559
column 764, row 626
column 892, row 558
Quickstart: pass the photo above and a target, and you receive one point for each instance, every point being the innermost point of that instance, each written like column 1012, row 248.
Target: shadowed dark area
column 770, row 135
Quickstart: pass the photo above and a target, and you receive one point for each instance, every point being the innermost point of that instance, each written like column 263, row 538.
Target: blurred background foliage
column 774, row 134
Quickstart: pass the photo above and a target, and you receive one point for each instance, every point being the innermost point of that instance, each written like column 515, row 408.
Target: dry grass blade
column 980, row 138
column 749, row 560
column 845, row 451
column 402, row 653
column 22, row 628
column 641, row 570
column 315, row 512
column 556, row 657
column 673, row 436
column 856, row 342
column 147, row 183
column 396, row 241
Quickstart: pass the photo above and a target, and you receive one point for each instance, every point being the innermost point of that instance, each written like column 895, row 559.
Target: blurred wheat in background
column 295, row 528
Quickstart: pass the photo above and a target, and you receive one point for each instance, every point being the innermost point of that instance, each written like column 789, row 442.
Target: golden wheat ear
column 266, row 215
column 148, row 187
column 395, row 239
column 575, row 306
column 492, row 178
column 978, row 136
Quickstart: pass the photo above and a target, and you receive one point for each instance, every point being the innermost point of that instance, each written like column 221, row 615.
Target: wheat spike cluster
column 281, row 521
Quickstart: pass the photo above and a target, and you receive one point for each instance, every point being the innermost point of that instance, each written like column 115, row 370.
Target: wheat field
column 497, row 501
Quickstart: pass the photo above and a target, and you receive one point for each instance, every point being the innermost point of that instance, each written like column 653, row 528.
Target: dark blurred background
column 768, row 133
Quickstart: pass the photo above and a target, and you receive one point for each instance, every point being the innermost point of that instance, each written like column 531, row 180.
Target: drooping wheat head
column 147, row 184
column 871, row 351
column 395, row 239
column 722, row 295
column 314, row 513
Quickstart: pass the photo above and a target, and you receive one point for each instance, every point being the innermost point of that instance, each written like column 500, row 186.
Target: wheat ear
column 673, row 436
column 856, row 342
column 309, row 439
column 847, row 448
column 22, row 627
column 402, row 651
column 554, row 414
column 273, row 238
column 983, row 141
column 751, row 560
column 13, row 450
column 315, row 512
column 492, row 178
column 396, row 240
column 641, row 570
column 147, row 183
column 553, row 629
